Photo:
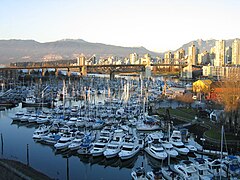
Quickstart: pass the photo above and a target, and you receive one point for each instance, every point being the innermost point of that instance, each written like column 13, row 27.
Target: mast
column 221, row 151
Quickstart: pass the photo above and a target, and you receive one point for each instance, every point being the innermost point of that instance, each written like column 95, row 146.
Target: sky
column 158, row 25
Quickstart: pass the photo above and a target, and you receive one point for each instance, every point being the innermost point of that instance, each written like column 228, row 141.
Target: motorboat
column 42, row 119
column 17, row 116
column 98, row 124
column 191, row 148
column 64, row 141
column 169, row 173
column 33, row 118
column 147, row 123
column 139, row 174
column 128, row 151
column 177, row 143
column 112, row 150
column 86, row 146
column 25, row 117
column 168, row 147
column 100, row 146
column 187, row 170
column 98, row 149
column 155, row 174
column 75, row 144
column 40, row 131
column 232, row 165
column 50, row 138
column 216, row 166
column 156, row 151
column 72, row 121
column 203, row 170
column 154, row 137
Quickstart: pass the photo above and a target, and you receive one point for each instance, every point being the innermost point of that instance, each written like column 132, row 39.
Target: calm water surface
column 43, row 158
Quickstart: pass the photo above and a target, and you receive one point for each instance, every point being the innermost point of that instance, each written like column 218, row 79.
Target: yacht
column 216, row 166
column 156, row 151
column 203, row 170
column 187, row 170
column 17, row 116
column 75, row 144
column 72, row 121
column 115, row 145
column 154, row 137
column 50, row 138
column 64, row 141
column 100, row 146
column 112, row 150
column 232, row 165
column 147, row 123
column 177, row 143
column 42, row 119
column 98, row 149
column 155, row 175
column 169, row 173
column 168, row 147
column 128, row 151
column 139, row 174
column 25, row 117
column 33, row 118
column 40, row 131
column 86, row 146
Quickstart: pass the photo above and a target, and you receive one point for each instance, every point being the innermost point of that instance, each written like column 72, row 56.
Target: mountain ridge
column 17, row 50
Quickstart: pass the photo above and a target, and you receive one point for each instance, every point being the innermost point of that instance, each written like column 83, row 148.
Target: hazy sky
column 158, row 25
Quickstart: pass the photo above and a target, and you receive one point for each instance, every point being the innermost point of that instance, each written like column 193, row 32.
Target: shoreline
column 11, row 169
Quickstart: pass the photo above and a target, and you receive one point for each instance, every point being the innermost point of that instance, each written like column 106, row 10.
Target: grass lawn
column 216, row 134
column 185, row 113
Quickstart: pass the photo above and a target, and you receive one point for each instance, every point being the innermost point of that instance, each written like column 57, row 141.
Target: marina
column 108, row 131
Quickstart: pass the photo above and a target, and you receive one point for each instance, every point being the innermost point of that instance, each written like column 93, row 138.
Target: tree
column 228, row 95
column 185, row 98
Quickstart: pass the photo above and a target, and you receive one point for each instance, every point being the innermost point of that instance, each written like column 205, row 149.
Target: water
column 43, row 158
column 60, row 166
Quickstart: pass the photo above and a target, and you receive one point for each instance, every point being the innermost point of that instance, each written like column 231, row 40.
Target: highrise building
column 192, row 55
column 133, row 58
column 236, row 51
column 81, row 60
column 219, row 53
column 168, row 57
column 204, row 58
column 229, row 55
column 179, row 55
column 146, row 59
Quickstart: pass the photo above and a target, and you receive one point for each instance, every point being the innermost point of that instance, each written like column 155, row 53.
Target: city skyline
column 157, row 25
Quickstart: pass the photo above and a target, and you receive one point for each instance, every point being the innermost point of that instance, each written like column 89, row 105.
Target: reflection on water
column 44, row 158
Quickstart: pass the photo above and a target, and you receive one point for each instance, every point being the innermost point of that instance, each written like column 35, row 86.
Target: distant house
column 215, row 115
column 172, row 92
column 202, row 86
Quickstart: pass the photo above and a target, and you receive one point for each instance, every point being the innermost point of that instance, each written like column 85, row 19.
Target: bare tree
column 185, row 98
column 228, row 95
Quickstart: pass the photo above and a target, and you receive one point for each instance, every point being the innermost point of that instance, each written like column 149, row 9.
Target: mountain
column 204, row 45
column 30, row 50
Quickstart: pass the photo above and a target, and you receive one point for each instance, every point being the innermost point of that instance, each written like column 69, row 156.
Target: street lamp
column 203, row 140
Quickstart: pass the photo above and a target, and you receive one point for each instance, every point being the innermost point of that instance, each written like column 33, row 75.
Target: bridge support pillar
column 112, row 75
column 69, row 73
column 83, row 71
column 148, row 71
column 56, row 72
column 43, row 72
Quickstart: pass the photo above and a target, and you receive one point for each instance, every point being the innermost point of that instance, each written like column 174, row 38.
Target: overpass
column 111, row 69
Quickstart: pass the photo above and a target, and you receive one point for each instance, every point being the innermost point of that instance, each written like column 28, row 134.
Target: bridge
column 111, row 69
